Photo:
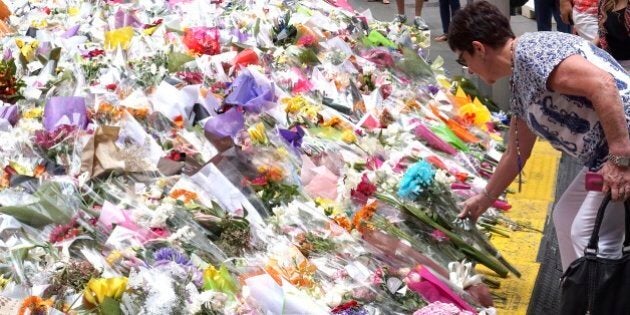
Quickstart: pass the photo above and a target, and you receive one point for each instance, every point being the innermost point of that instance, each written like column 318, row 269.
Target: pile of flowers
column 236, row 157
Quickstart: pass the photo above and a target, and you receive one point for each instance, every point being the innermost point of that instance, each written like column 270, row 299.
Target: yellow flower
column 3, row 282
column 21, row 169
column 39, row 23
column 98, row 289
column 257, row 133
column 476, row 113
column 330, row 207
column 27, row 49
column 281, row 153
column 113, row 257
column 72, row 11
column 348, row 136
column 218, row 280
column 149, row 31
column 294, row 104
column 310, row 111
column 119, row 37
column 33, row 113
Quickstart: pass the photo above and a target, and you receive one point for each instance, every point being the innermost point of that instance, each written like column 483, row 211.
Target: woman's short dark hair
column 479, row 21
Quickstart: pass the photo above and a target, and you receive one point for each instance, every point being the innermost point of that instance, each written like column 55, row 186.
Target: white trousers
column 574, row 219
column 585, row 24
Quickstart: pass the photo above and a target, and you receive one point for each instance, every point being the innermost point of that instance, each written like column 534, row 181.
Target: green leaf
column 110, row 307
column 55, row 55
column 42, row 59
column 257, row 27
column 23, row 61
column 176, row 60
column 308, row 57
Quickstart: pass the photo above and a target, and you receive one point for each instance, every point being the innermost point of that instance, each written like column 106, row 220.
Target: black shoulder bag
column 594, row 285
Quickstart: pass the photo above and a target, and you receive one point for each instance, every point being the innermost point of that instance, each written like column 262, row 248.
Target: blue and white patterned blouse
column 568, row 122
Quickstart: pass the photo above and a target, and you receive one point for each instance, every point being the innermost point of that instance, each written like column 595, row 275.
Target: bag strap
column 592, row 248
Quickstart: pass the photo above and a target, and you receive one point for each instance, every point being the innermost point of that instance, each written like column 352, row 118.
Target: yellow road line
column 530, row 206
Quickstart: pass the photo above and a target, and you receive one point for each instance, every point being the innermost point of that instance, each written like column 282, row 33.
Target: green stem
column 467, row 249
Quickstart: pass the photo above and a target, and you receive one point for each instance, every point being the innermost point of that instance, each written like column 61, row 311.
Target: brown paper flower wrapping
column 100, row 154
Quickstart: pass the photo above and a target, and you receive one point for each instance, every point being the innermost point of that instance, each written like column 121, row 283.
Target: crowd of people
column 606, row 23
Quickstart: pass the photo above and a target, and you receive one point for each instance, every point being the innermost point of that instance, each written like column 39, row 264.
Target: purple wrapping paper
column 71, row 31
column 10, row 113
column 123, row 19
column 251, row 93
column 70, row 107
column 44, row 48
column 226, row 124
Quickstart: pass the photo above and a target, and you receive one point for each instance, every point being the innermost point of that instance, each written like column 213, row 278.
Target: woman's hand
column 617, row 181
column 475, row 206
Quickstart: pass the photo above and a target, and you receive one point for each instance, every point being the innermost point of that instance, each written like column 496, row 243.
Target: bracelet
column 487, row 195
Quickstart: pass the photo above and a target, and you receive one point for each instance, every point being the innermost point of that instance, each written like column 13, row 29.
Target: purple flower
column 167, row 254
column 8, row 54
column 240, row 37
column 293, row 137
column 433, row 89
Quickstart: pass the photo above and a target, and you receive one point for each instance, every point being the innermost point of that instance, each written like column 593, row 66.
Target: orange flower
column 271, row 173
column 35, row 305
column 343, row 222
column 39, row 170
column 461, row 176
column 188, row 195
column 299, row 273
column 140, row 113
column 334, row 122
column 411, row 105
column 179, row 121
column 360, row 219
column 110, row 111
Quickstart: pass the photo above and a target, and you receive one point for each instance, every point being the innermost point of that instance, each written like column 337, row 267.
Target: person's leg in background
column 417, row 20
column 447, row 10
column 445, row 17
column 585, row 24
column 543, row 8
column 564, row 214
column 400, row 7
column 454, row 7
column 560, row 26
column 612, row 230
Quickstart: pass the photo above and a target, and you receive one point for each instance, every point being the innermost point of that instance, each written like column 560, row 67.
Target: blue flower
column 417, row 178
column 167, row 254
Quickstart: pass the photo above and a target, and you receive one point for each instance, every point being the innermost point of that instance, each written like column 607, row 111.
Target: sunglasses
column 461, row 61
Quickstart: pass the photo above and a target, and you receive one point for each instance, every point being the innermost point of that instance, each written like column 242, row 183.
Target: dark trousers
column 447, row 10
column 544, row 10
